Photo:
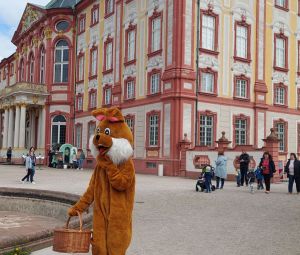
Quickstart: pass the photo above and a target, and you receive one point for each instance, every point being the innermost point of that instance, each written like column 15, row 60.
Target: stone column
column 17, row 127
column 22, row 126
column 32, row 127
column 10, row 127
column 272, row 146
column 5, row 131
column 41, row 131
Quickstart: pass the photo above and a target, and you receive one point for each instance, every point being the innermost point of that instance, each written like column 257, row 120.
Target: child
column 238, row 177
column 207, row 171
column 251, row 179
column 259, row 177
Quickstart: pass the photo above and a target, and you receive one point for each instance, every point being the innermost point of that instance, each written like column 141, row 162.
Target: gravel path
column 170, row 218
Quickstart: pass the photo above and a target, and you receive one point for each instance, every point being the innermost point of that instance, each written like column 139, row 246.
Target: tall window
column 107, row 96
column 109, row 55
column 93, row 64
column 153, row 129
column 31, row 68
column 130, row 43
column 95, row 15
column 208, row 81
column 206, row 130
column 242, row 41
column 280, row 94
column 92, row 99
column 280, row 52
column 109, row 7
column 58, row 133
column 81, row 27
column 130, row 89
column 79, row 102
column 154, row 83
column 91, row 130
column 42, row 65
column 208, row 32
column 22, row 70
column 61, row 66
column 240, row 131
column 78, row 132
column 129, row 120
column 156, row 34
column 281, row 3
column 241, row 88
column 80, row 68
column 281, row 129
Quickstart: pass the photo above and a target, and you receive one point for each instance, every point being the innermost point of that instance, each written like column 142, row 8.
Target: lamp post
column 197, row 72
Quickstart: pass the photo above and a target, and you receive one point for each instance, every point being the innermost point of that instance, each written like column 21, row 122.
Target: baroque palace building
column 140, row 55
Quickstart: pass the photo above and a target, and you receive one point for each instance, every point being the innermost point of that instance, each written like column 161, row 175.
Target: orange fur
column 111, row 188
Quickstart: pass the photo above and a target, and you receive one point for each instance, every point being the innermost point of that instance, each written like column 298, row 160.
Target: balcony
column 21, row 88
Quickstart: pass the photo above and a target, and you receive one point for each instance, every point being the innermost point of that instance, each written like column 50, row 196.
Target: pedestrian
column 8, row 155
column 221, row 170
column 29, row 166
column 238, row 177
column 244, row 167
column 74, row 159
column 50, row 157
column 207, row 176
column 33, row 158
column 259, row 177
column 292, row 169
column 81, row 159
column 268, row 169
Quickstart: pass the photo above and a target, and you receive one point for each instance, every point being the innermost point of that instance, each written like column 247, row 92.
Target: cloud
column 10, row 15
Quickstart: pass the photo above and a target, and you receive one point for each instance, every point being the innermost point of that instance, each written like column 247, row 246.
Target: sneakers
column 22, row 182
column 32, row 182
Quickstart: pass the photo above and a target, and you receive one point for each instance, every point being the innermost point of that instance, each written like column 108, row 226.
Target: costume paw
column 72, row 212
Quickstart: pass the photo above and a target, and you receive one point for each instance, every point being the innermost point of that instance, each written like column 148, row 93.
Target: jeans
column 292, row 179
column 267, row 179
column 28, row 175
column 260, row 184
column 207, row 181
column 80, row 163
column 238, row 179
column 218, row 182
column 244, row 177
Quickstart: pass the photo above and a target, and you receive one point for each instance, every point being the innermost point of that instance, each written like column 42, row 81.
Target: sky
column 10, row 14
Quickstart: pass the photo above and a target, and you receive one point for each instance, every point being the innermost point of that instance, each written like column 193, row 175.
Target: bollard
column 160, row 170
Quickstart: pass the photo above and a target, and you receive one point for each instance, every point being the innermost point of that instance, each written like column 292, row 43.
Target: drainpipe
column 197, row 73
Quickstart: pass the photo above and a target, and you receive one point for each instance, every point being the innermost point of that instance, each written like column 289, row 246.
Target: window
column 62, row 25
column 130, row 88
column 79, row 102
column 154, row 82
column 240, row 131
column 109, row 7
column 81, row 26
column 108, row 61
column 91, row 131
column 92, row 99
column 155, row 34
column 208, row 81
column 61, row 66
column 130, row 44
column 281, row 127
column 31, row 68
column 95, row 15
column 93, row 63
column 153, row 130
column 58, row 133
column 282, row 4
column 241, row 89
column 22, row 70
column 129, row 120
column 280, row 94
column 5, row 72
column 107, row 95
column 208, row 32
column 242, row 41
column 206, row 129
column 12, row 69
column 42, row 65
column 78, row 132
column 80, row 72
column 281, row 53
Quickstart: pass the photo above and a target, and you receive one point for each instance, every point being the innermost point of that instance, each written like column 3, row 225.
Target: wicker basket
column 71, row 240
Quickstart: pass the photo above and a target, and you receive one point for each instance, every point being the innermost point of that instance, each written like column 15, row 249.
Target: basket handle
column 80, row 221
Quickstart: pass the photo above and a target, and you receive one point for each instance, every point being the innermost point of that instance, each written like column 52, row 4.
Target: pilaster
column 22, row 126
column 17, row 127
column 10, row 127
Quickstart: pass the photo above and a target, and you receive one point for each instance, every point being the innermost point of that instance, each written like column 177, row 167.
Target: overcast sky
column 10, row 15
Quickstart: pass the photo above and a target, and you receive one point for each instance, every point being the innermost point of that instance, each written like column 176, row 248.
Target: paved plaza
column 171, row 218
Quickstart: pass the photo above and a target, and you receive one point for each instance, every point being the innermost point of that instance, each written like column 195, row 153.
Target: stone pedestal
column 272, row 146
column 184, row 145
column 223, row 143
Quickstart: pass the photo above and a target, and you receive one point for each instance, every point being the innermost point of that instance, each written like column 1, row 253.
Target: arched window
column 61, row 62
column 22, row 70
column 58, row 133
column 31, row 68
column 42, row 65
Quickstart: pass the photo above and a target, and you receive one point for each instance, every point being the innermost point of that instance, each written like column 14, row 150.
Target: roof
column 61, row 4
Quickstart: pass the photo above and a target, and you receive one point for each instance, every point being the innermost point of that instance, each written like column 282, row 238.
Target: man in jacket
column 244, row 166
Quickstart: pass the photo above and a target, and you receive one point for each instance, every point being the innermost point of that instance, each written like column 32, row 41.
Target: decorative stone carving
column 31, row 15
column 93, row 84
column 130, row 71
column 109, row 26
column 155, row 62
column 81, row 43
column 94, row 35
column 280, row 77
column 79, row 88
column 108, row 79
column 48, row 33
column 241, row 68
column 208, row 61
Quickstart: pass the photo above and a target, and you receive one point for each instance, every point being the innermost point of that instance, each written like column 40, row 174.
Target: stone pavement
column 171, row 218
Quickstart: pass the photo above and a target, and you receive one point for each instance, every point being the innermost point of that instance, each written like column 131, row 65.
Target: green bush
column 18, row 251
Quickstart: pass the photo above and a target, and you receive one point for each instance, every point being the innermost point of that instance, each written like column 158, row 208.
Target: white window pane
column 207, row 83
column 208, row 32
column 156, row 33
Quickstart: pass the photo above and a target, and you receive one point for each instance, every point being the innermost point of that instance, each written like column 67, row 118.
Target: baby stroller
column 259, row 177
column 200, row 184
column 251, row 179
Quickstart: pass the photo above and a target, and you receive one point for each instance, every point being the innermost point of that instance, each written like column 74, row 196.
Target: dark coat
column 271, row 166
column 296, row 168
column 244, row 165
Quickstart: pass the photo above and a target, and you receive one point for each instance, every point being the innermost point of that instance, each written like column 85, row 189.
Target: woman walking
column 30, row 165
column 268, row 169
column 292, row 169
column 221, row 170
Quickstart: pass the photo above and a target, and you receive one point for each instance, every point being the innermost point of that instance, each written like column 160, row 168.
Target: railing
column 24, row 87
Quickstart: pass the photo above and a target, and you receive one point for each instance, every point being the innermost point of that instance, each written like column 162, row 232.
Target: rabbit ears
column 111, row 114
